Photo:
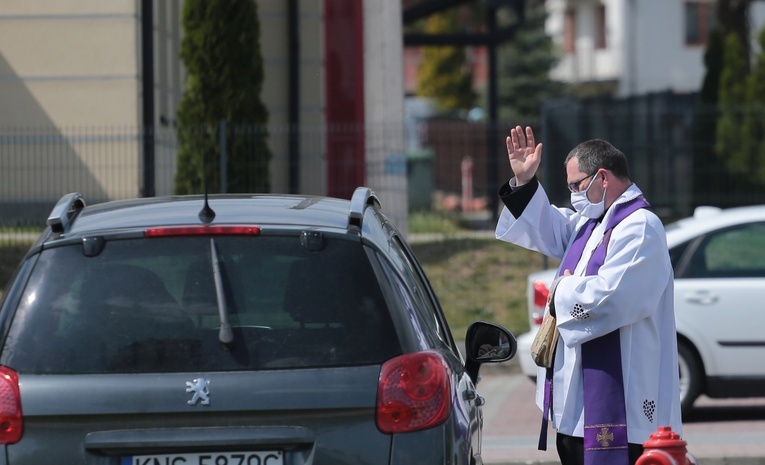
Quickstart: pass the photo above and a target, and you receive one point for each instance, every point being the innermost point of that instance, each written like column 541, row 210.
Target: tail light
column 11, row 421
column 540, row 299
column 173, row 231
column 414, row 393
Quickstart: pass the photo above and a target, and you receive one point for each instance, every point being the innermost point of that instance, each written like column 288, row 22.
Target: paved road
column 721, row 432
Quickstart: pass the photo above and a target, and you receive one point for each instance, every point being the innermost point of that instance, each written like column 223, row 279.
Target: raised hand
column 524, row 156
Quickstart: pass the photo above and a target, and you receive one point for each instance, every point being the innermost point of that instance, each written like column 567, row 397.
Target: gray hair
column 595, row 154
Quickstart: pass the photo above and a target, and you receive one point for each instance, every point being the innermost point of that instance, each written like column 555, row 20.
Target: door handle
column 701, row 298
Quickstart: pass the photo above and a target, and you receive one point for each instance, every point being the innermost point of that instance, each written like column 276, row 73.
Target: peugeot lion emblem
column 201, row 389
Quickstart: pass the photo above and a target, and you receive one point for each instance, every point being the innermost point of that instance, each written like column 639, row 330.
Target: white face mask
column 582, row 204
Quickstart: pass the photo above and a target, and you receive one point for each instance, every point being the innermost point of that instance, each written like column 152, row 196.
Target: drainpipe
column 293, row 111
column 147, row 66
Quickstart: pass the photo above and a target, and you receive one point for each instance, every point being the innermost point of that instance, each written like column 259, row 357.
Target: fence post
column 223, row 165
column 467, row 184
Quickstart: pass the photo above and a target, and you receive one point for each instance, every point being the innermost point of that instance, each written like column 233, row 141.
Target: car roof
column 72, row 218
column 261, row 210
column 706, row 218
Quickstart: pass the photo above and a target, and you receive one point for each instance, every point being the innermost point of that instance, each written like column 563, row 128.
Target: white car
column 718, row 256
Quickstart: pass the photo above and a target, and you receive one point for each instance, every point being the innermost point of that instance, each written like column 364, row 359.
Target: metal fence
column 439, row 164
column 668, row 140
column 39, row 165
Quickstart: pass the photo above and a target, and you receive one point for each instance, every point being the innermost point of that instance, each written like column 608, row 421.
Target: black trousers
column 571, row 450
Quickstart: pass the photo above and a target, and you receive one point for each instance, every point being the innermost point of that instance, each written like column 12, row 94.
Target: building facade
column 83, row 82
column 635, row 47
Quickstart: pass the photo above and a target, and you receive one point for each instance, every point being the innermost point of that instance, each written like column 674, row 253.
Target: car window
column 150, row 305
column 731, row 253
column 676, row 254
column 424, row 305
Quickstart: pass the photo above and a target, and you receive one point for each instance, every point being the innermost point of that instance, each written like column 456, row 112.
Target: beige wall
column 71, row 70
column 274, row 47
column 384, row 108
column 169, row 78
column 77, row 65
column 70, row 63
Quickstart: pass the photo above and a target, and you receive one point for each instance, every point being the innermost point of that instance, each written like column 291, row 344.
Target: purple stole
column 605, row 413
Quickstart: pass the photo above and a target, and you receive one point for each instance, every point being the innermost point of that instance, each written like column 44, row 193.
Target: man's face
column 578, row 180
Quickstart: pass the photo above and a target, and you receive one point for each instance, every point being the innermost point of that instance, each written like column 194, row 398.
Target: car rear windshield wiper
column 225, row 335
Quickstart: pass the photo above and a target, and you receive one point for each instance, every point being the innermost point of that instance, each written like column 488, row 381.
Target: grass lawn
column 10, row 257
column 480, row 279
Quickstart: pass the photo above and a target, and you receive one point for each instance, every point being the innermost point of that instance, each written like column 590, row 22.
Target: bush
column 221, row 105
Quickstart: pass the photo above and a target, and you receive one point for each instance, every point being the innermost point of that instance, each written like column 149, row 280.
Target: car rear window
column 150, row 305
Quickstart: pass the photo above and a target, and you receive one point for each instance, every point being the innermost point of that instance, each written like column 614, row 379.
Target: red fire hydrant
column 665, row 447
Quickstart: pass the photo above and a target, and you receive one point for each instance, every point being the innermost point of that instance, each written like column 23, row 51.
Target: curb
column 699, row 461
column 508, row 441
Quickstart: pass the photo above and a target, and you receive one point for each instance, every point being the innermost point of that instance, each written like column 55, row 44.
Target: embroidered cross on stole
column 605, row 415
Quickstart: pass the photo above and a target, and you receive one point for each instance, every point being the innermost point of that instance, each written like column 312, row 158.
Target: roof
column 72, row 217
column 706, row 219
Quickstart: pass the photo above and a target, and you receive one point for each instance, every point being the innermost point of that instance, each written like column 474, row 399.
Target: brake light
column 413, row 393
column 11, row 420
column 172, row 231
column 540, row 300
column 540, row 294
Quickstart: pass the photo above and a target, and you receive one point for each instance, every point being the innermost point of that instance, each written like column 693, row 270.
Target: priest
column 614, row 375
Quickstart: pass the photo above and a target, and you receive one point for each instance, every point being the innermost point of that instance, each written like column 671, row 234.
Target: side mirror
column 487, row 343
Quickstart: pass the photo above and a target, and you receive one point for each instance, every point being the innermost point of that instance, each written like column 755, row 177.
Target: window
column 699, row 22
column 676, row 254
column 569, row 31
column 733, row 253
column 415, row 282
column 151, row 306
column 600, row 27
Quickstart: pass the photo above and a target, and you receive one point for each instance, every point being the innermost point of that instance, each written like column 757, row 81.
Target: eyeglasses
column 574, row 186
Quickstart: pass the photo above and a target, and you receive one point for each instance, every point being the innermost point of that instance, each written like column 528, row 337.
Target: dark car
column 247, row 329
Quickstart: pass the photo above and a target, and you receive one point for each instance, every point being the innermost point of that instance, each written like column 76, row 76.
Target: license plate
column 208, row 458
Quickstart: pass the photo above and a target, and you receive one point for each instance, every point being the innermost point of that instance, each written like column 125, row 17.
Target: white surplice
column 633, row 291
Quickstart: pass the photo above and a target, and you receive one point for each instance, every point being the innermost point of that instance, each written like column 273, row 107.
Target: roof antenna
column 206, row 214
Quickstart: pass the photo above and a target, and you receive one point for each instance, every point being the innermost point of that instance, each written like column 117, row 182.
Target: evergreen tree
column 706, row 171
column 524, row 67
column 442, row 72
column 733, row 18
column 732, row 98
column 221, row 52
column 713, row 61
column 754, row 123
column 719, row 126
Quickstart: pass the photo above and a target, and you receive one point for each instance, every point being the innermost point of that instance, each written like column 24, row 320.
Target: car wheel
column 690, row 377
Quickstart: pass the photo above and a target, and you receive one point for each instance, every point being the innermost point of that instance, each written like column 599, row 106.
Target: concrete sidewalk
column 512, row 422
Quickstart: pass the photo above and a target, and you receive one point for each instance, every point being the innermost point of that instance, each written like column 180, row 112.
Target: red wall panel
column 344, row 92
